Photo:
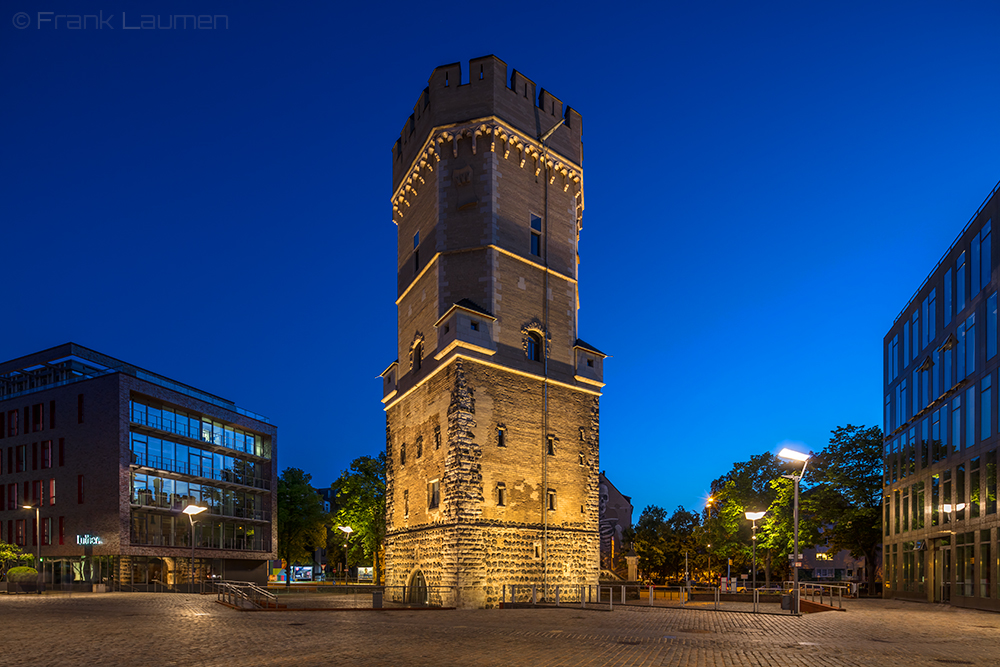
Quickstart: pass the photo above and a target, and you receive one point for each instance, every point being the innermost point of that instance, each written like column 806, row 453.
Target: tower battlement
column 489, row 92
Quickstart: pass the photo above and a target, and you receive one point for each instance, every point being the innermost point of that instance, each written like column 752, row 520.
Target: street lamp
column 347, row 536
column 191, row 510
column 38, row 546
column 754, row 517
column 792, row 455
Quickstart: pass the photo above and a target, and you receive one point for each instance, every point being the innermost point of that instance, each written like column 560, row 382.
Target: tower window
column 534, row 348
column 433, row 493
column 583, row 460
column 402, row 454
column 420, row 446
column 536, row 235
column 552, row 500
column 550, row 445
column 406, row 504
column 501, row 436
column 590, row 363
column 475, row 325
column 417, row 354
column 437, row 437
column 416, row 252
column 501, row 494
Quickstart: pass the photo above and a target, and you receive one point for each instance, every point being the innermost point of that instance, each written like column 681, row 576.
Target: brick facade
column 493, row 455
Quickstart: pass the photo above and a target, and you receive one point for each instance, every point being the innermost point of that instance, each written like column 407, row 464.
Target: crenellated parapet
column 496, row 136
column 489, row 94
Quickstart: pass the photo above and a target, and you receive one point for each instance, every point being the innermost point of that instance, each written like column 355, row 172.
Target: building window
column 417, row 356
column 37, row 422
column 550, row 445
column 22, row 458
column 19, row 532
column 960, row 284
column 437, row 437
column 947, row 297
column 416, row 253
column 534, row 346
column 62, row 530
column 583, row 460
column 590, row 362
column 991, row 326
column 501, row 494
column 46, row 531
column 12, row 417
column 52, row 491
column 433, row 494
column 536, row 236
column 501, row 436
column 930, row 315
column 420, row 446
column 406, row 504
column 475, row 325
column 47, row 454
column 52, row 414
column 981, row 269
column 402, row 454
column 985, row 413
column 551, row 503
column 538, row 551
column 62, row 452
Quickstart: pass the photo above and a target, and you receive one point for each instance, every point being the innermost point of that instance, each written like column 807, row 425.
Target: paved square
column 175, row 629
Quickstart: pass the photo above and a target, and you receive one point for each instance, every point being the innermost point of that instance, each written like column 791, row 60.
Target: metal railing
column 244, row 594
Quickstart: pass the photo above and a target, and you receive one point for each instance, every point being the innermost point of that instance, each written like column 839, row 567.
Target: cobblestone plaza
column 175, row 629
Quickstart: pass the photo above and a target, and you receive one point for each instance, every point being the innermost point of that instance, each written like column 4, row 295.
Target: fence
column 774, row 600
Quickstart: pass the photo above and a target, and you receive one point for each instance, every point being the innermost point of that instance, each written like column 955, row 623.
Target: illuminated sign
column 88, row 540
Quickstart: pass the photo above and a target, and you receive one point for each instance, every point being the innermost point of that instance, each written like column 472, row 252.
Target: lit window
column 534, row 347
column 433, row 494
column 536, row 236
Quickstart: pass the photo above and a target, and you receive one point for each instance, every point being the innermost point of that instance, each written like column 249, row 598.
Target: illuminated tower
column 492, row 407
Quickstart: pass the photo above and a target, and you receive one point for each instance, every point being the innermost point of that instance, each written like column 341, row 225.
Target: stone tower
column 492, row 406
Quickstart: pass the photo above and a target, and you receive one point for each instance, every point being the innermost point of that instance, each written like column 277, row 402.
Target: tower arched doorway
column 416, row 588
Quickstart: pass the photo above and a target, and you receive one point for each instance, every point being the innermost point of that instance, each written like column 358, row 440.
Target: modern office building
column 941, row 404
column 492, row 406
column 110, row 455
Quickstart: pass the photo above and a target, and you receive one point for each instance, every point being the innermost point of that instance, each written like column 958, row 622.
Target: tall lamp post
column 191, row 510
column 755, row 517
column 792, row 455
column 38, row 545
column 347, row 537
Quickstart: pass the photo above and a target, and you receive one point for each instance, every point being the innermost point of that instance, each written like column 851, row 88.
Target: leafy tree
column 361, row 498
column 11, row 554
column 660, row 541
column 301, row 519
column 850, row 472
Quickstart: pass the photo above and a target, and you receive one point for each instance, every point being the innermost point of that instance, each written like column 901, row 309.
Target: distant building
column 112, row 454
column 939, row 518
column 616, row 516
column 492, row 404
column 819, row 564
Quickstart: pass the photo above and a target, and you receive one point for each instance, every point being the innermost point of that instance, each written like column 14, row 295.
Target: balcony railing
column 203, row 471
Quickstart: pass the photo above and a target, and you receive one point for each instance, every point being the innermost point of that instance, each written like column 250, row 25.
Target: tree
column 301, row 519
column 360, row 495
column 850, row 470
column 10, row 554
column 660, row 541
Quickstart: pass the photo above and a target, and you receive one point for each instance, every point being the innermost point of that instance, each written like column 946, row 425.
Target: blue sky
column 766, row 186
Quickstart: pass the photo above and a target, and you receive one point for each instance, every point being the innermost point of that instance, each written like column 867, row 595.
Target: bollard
column 651, row 596
column 534, row 594
column 623, row 594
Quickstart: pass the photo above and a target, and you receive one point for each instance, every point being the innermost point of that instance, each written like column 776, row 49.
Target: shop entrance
column 942, row 571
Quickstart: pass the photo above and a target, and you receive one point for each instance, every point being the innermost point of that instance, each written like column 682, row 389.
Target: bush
column 22, row 574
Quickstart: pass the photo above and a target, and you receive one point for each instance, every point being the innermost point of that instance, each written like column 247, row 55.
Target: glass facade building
column 111, row 455
column 939, row 519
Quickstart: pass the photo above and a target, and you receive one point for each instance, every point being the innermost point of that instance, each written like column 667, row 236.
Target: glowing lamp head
column 755, row 516
column 346, row 529
column 793, row 455
column 194, row 509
